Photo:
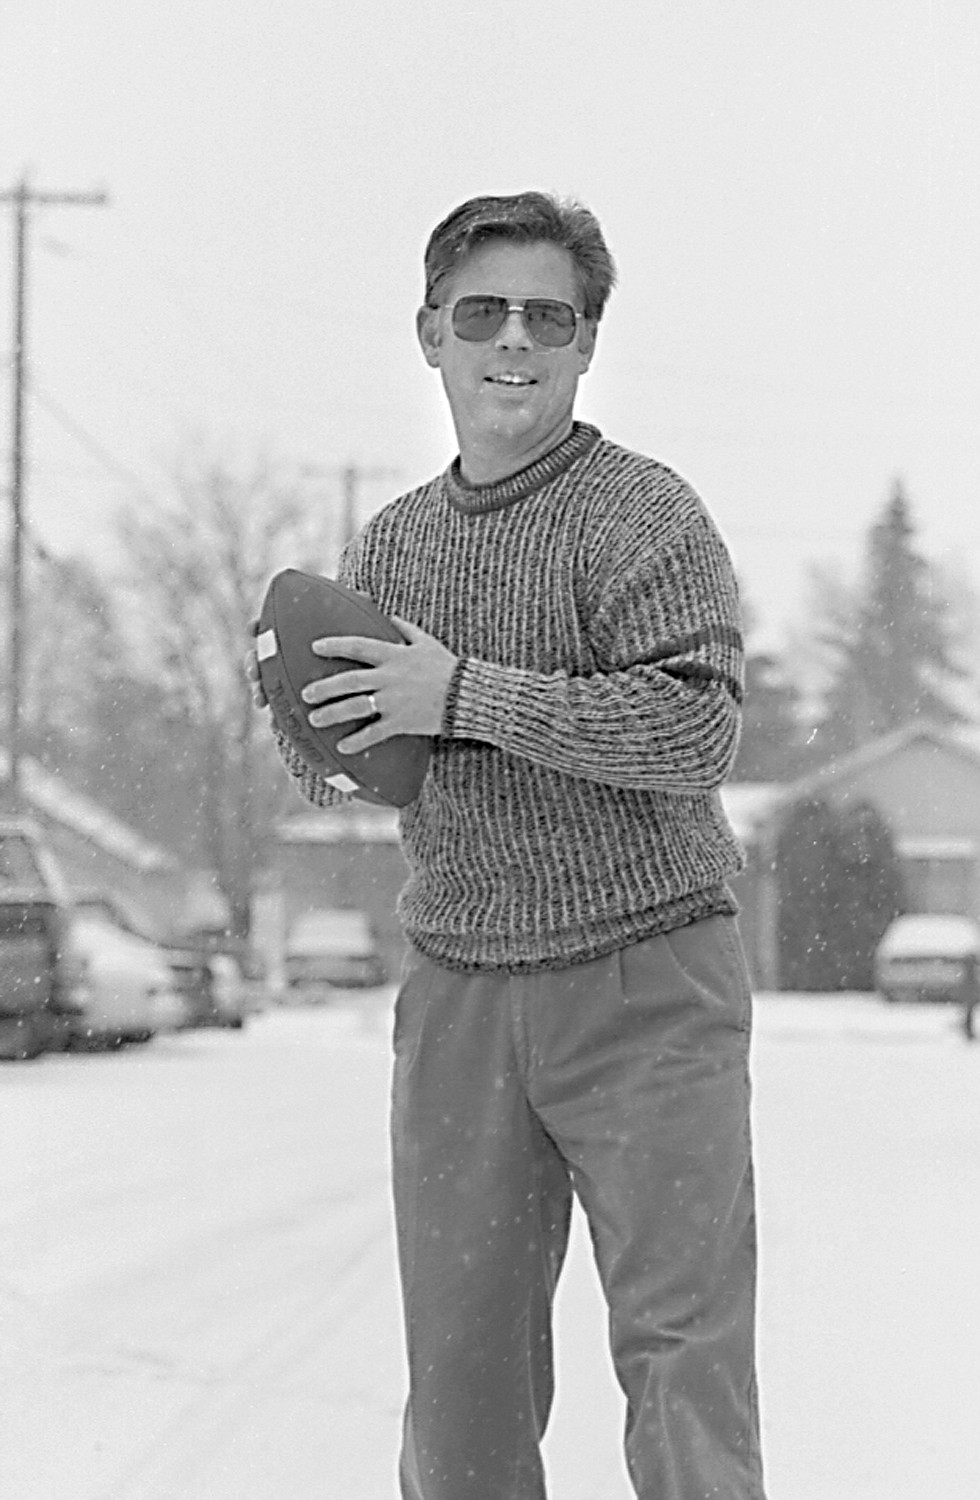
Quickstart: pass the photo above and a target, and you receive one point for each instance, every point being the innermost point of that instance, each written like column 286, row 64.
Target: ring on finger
column 372, row 704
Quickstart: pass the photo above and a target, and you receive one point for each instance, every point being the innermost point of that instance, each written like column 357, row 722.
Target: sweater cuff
column 452, row 699
column 481, row 700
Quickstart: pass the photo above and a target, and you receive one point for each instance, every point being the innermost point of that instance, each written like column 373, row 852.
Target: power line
column 84, row 439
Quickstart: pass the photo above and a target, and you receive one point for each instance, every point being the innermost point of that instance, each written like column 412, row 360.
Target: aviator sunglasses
column 478, row 317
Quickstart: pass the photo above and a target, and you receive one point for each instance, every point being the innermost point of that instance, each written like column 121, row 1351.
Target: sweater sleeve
column 662, row 713
column 312, row 785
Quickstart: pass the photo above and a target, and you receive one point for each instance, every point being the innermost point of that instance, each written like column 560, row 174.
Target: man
column 574, row 1012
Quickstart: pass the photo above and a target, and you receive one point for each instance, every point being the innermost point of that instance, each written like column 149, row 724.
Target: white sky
column 790, row 192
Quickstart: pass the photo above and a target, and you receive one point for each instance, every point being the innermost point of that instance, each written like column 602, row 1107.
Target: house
column 923, row 779
column 347, row 856
column 98, row 852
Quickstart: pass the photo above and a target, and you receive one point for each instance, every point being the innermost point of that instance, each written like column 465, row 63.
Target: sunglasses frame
column 520, row 306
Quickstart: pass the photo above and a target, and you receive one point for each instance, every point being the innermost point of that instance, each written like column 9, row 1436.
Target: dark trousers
column 625, row 1080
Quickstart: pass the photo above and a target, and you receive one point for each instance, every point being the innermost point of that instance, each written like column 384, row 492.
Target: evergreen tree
column 894, row 656
column 873, row 887
column 812, row 897
column 840, row 885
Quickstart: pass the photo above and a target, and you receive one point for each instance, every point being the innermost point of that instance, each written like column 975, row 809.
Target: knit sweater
column 571, row 804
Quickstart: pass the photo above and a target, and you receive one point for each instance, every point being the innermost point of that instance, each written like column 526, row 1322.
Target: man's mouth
column 511, row 378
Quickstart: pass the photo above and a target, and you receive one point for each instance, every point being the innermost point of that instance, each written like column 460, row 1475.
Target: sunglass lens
column 477, row 319
column 550, row 323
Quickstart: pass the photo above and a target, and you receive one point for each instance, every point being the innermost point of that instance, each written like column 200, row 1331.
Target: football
column 298, row 609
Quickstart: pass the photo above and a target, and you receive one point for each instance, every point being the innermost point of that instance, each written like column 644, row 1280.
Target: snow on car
column 129, row 992
column 228, row 986
column 212, row 987
column 332, row 948
column 926, row 956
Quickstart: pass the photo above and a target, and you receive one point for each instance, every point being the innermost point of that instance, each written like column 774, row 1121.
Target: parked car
column 129, row 992
column 925, row 956
column 212, row 987
column 230, row 990
column 331, row 948
column 40, row 973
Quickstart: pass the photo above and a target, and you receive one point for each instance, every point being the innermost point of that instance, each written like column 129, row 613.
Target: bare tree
column 196, row 563
column 72, row 650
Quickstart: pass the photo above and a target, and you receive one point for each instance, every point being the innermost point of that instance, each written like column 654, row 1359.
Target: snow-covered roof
column 965, row 740
column 350, row 823
column 968, row 735
column 937, row 846
column 49, row 794
column 750, row 804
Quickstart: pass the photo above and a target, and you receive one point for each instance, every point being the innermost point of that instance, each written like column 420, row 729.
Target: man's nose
column 512, row 332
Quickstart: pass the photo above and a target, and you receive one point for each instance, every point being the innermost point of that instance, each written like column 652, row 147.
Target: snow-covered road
column 197, row 1288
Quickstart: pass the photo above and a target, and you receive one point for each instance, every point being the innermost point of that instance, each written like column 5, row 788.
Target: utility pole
column 351, row 477
column 22, row 197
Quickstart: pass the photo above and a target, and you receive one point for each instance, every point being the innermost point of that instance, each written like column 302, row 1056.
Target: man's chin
column 517, row 425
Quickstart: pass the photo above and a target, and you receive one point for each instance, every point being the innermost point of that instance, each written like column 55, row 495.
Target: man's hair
column 527, row 218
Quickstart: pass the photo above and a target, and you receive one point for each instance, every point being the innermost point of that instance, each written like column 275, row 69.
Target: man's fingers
column 356, row 648
column 364, row 739
column 412, row 633
column 339, row 685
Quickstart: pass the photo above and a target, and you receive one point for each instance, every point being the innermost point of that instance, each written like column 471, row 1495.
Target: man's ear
column 429, row 334
column 586, row 344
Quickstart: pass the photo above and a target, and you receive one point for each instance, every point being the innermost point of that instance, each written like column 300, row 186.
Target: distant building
column 923, row 779
column 98, row 852
column 347, row 856
column 925, row 782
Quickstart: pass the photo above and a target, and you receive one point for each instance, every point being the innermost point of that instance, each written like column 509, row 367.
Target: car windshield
column 18, row 866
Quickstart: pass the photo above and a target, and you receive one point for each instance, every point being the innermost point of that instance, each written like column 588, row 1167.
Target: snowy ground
column 197, row 1286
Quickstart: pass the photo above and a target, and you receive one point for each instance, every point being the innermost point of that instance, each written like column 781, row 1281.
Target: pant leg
column 639, row 1071
column 482, row 1204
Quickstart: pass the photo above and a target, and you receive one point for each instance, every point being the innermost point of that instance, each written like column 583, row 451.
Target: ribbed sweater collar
column 476, row 499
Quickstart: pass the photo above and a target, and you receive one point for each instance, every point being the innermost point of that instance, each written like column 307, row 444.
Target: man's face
column 509, row 396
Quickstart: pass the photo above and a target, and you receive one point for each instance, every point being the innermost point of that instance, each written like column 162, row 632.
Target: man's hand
column 408, row 685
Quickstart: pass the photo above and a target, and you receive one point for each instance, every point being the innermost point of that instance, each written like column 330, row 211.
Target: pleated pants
column 623, row 1080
